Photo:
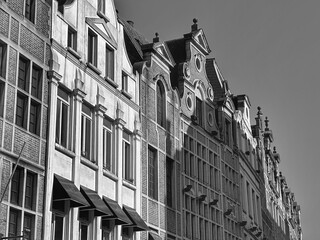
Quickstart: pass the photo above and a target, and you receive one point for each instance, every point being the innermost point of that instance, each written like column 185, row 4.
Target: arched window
column 160, row 104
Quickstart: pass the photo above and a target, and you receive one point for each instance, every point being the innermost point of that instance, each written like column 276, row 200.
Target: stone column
column 137, row 156
column 99, row 115
column 79, row 95
column 119, row 124
column 54, row 79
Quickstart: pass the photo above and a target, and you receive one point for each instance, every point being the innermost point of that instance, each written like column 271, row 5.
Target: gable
column 164, row 52
column 201, row 40
column 100, row 26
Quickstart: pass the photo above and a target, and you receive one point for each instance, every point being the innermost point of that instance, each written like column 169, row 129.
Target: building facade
column 24, row 53
column 93, row 180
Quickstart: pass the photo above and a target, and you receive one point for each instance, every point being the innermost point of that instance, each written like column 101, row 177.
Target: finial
column 156, row 38
column 267, row 123
column 274, row 149
column 194, row 26
column 259, row 111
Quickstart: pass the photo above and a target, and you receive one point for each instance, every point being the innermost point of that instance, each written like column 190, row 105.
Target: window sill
column 88, row 163
column 65, row 151
column 102, row 15
column 126, row 94
column 110, row 175
column 111, row 82
column 129, row 184
column 93, row 68
column 73, row 52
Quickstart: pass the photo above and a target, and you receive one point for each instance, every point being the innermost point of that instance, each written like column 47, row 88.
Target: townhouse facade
column 24, row 53
column 94, row 136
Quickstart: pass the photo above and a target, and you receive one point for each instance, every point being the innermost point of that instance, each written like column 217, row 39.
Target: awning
column 138, row 223
column 118, row 214
column 154, row 236
column 96, row 203
column 65, row 190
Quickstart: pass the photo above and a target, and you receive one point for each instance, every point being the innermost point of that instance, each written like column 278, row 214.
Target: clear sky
column 269, row 50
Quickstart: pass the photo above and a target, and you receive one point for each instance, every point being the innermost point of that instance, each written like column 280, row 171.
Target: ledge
column 88, row 163
column 111, row 82
column 93, row 68
column 128, row 184
column 73, row 52
column 65, row 151
column 125, row 93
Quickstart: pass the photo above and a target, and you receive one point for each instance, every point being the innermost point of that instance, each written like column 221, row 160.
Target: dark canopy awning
column 65, row 190
column 138, row 223
column 118, row 214
column 154, row 236
column 96, row 203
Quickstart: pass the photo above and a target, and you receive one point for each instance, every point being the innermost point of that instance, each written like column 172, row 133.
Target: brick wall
column 153, row 213
column 10, row 103
column 43, row 17
column 162, row 177
column 14, row 32
column 3, row 218
column 162, row 138
column 16, row 6
column 32, row 43
column 144, row 171
column 4, row 23
column 151, row 110
column 41, row 193
column 12, row 67
column 31, row 149
column 4, row 178
column 8, row 133
column 1, row 128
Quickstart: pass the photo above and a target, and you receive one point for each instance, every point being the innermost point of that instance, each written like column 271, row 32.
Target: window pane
column 84, row 232
column 36, row 82
column 34, row 118
column 58, row 228
column 23, row 74
column 2, row 86
column 13, row 223
column 160, row 104
column 27, row 227
column 30, row 9
column 64, row 124
column 30, row 191
column 109, row 63
column 92, row 48
column 15, row 186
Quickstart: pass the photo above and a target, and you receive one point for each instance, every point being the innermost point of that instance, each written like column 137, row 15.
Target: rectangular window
column 86, row 131
column 16, row 186
column 14, row 222
column 29, row 11
column 249, row 199
column 28, row 224
column 124, row 82
column 92, row 47
column 199, row 111
column 127, row 160
column 83, row 231
column 23, row 74
column 2, row 92
column 107, row 227
column 3, row 57
column 109, row 63
column 228, row 130
column 254, row 206
column 169, row 183
column 108, row 164
column 152, row 173
column 58, row 226
column 72, row 38
column 36, row 82
column 62, row 121
column 30, row 191
column 34, row 119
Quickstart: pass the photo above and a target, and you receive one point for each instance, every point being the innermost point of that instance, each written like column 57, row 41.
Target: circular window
column 186, row 71
column 189, row 101
column 198, row 63
column 210, row 93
